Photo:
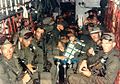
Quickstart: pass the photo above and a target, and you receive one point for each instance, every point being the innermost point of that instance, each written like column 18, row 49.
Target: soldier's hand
column 60, row 57
column 82, row 65
column 30, row 67
column 86, row 72
column 61, row 49
column 26, row 78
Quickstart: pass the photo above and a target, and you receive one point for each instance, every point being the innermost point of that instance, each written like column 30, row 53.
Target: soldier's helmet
column 93, row 30
column 108, row 36
column 48, row 21
column 26, row 34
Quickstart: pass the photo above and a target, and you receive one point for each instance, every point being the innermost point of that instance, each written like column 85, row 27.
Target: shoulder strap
column 11, row 68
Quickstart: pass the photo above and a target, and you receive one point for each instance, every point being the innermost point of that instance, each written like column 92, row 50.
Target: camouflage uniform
column 9, row 72
column 26, row 55
column 25, row 52
column 39, row 55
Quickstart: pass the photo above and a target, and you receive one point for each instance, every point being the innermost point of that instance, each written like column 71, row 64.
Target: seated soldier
column 105, row 69
column 10, row 70
column 29, row 54
column 37, row 45
column 91, row 19
column 54, row 36
column 38, row 37
column 95, row 39
column 25, row 40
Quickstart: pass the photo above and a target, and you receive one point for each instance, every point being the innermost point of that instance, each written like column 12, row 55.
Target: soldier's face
column 7, row 51
column 72, row 38
column 107, row 45
column 95, row 37
column 27, row 42
column 60, row 26
column 38, row 33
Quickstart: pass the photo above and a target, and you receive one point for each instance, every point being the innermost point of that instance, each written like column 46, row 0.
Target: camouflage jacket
column 10, row 70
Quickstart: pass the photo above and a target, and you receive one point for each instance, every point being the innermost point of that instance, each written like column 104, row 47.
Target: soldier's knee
column 72, row 78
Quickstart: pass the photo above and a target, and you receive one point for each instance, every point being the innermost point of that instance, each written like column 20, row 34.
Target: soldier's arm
column 93, row 59
column 4, row 79
column 39, row 53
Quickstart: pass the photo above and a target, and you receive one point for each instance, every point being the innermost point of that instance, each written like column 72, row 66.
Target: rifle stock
column 25, row 68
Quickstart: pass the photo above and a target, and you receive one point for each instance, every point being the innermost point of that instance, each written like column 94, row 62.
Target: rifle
column 99, row 67
column 25, row 68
